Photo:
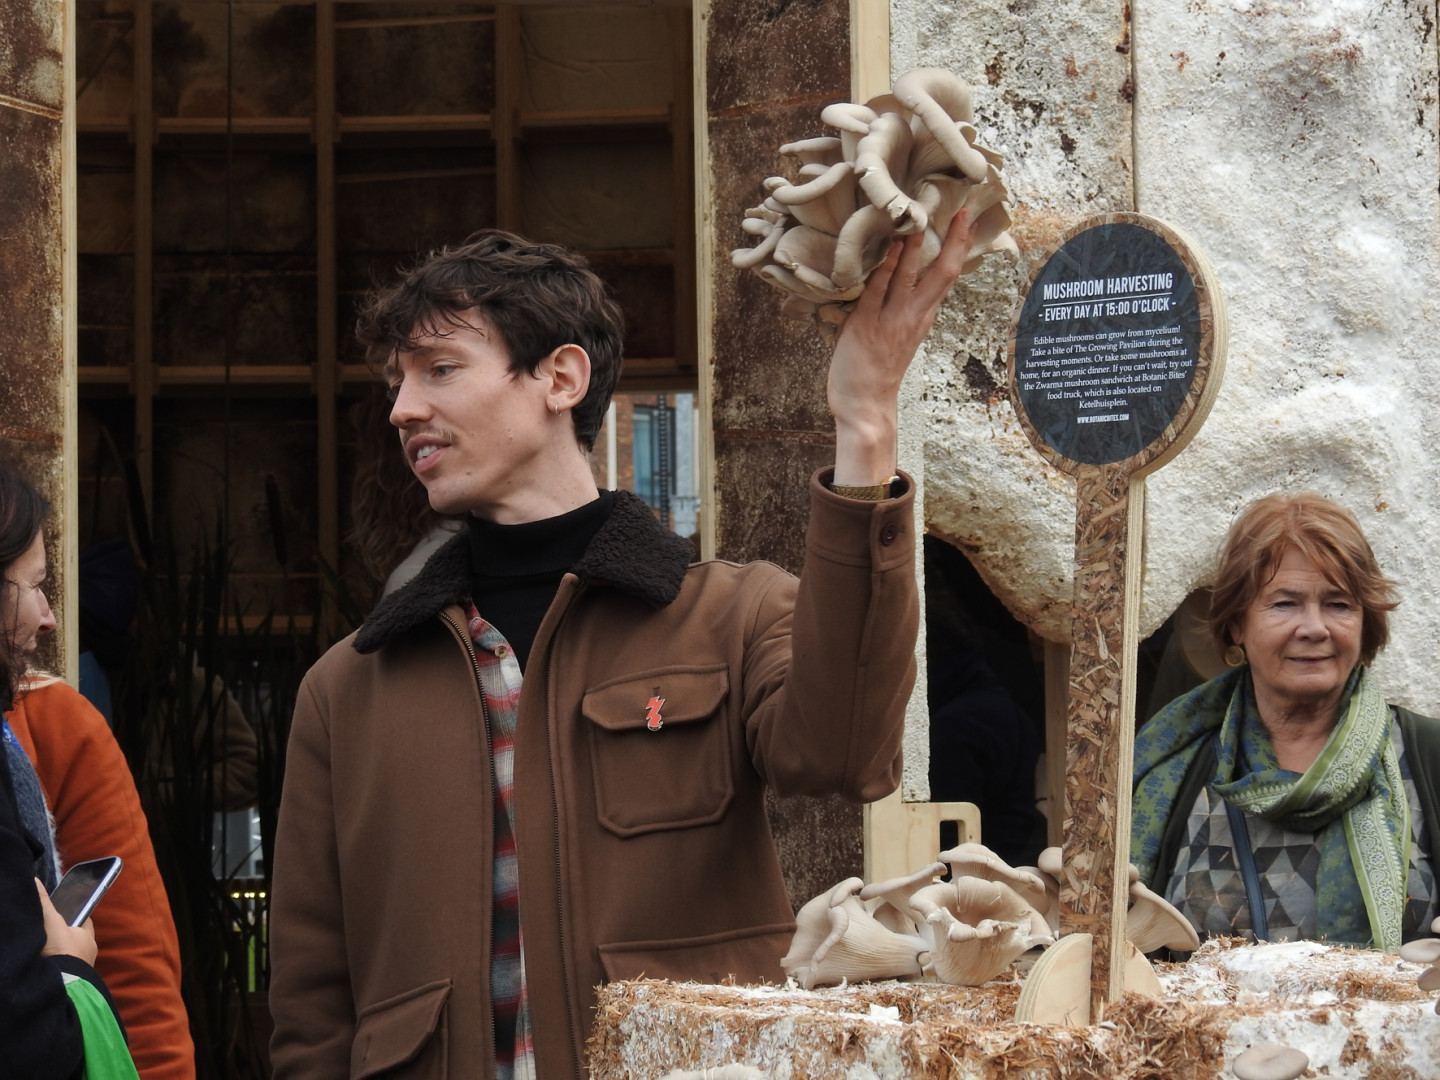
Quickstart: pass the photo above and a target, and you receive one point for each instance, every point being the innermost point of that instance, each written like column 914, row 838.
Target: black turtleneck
column 516, row 569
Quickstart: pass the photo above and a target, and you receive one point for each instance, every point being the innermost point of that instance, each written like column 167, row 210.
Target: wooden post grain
column 1109, row 510
column 1115, row 361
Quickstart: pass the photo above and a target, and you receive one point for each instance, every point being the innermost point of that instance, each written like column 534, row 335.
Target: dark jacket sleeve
column 40, row 1034
column 830, row 680
column 310, row 995
column 1422, row 750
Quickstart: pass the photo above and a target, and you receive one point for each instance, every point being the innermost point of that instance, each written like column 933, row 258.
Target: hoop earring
column 556, row 406
column 1235, row 655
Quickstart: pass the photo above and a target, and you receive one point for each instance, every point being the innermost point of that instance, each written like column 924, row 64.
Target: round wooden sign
column 1118, row 347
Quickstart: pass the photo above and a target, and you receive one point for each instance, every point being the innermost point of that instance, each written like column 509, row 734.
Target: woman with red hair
column 1286, row 799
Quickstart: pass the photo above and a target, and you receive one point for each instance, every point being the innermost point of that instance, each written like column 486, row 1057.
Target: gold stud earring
column 1235, row 655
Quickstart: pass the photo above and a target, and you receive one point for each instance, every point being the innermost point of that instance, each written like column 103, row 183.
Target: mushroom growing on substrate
column 889, row 901
column 904, row 162
column 1425, row 951
column 977, row 928
column 1270, row 1061
column 837, row 939
column 1421, row 950
column 1154, row 923
column 1151, row 922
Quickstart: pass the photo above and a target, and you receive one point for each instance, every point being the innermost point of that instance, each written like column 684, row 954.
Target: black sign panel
column 1107, row 343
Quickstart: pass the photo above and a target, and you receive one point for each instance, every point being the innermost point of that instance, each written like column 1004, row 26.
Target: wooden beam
column 1109, row 523
column 869, row 48
column 682, row 170
column 413, row 20
column 704, row 286
column 504, row 118
column 142, row 379
column 901, row 837
column 68, row 526
column 239, row 125
column 1057, row 719
column 418, row 123
column 326, row 361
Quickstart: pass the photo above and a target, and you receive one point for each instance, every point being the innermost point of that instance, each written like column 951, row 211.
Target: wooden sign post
column 1116, row 358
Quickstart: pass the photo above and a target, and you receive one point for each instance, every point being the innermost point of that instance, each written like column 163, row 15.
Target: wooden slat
column 417, row 124
column 505, row 116
column 68, row 504
column 682, row 171
column 413, row 174
column 119, row 125
column 173, row 375
column 901, row 837
column 326, row 369
column 1109, row 518
column 143, row 363
column 869, row 48
column 600, row 118
column 1057, row 719
column 632, row 256
column 704, row 196
column 102, row 375
column 240, row 125
column 414, row 20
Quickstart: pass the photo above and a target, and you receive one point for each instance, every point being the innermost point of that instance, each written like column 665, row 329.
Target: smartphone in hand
column 82, row 887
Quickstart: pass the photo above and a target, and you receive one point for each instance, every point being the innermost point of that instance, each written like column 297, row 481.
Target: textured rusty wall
column 770, row 67
column 33, row 342
column 1054, row 91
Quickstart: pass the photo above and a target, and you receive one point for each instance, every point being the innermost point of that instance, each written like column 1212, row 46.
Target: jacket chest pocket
column 660, row 750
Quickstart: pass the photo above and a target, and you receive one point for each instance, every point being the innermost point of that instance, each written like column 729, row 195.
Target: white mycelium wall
column 1295, row 142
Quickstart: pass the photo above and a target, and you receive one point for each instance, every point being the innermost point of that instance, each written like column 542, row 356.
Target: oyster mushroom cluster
column 1426, row 951
column 964, row 931
column 904, row 162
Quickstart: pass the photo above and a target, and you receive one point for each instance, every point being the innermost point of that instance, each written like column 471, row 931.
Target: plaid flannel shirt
column 500, row 679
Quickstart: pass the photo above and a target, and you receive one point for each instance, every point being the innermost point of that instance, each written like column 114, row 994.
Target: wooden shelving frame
column 509, row 130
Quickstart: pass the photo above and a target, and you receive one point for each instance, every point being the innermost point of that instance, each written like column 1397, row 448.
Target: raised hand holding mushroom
column 902, row 163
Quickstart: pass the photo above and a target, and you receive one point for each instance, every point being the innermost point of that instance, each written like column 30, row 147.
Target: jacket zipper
column 494, row 786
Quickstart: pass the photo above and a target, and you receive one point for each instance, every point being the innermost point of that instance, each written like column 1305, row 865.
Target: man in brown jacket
column 541, row 764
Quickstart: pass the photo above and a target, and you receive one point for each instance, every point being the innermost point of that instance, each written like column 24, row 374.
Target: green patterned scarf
column 1352, row 798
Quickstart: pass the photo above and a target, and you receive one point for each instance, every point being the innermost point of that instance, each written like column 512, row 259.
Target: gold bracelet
column 867, row 492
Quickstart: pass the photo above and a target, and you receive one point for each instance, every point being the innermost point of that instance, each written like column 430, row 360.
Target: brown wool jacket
column 641, row 852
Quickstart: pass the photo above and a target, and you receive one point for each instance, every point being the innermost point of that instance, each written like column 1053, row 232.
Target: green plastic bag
column 106, row 1055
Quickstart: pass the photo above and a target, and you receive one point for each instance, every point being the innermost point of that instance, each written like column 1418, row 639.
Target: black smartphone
column 82, row 887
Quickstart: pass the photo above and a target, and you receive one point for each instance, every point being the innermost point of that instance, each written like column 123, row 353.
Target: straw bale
column 1356, row 1013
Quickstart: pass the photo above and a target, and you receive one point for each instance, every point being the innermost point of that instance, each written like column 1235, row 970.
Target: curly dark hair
column 22, row 515
column 537, row 296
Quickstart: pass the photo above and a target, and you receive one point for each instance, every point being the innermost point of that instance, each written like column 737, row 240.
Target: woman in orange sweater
column 92, row 798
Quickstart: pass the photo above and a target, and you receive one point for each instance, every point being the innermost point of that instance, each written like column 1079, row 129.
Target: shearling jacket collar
column 632, row 552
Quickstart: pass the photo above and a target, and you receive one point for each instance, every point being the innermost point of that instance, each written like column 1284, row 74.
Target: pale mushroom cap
column 1435, row 926
column 812, row 926
column 1270, row 1061
column 1153, row 922
column 977, row 860
column 1429, row 979
column 1421, row 950
column 1051, row 861
column 904, row 885
column 859, row 947
column 825, row 150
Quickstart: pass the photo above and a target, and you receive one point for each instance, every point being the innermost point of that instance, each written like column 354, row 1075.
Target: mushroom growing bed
column 1354, row 1013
